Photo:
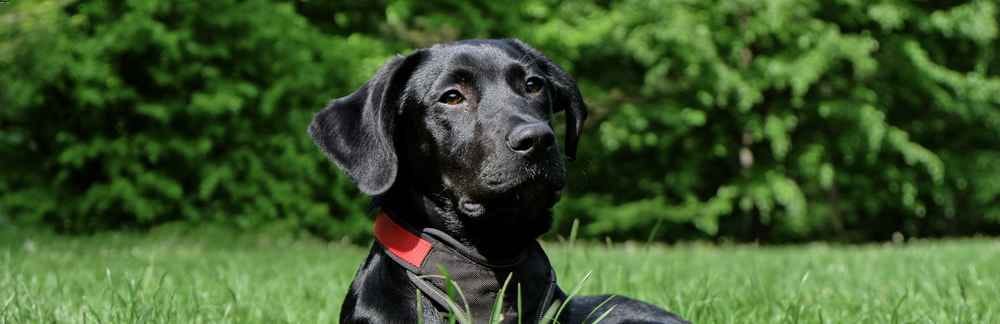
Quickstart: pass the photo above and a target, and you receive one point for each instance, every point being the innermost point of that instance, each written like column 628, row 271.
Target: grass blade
column 576, row 290
column 550, row 314
column 459, row 316
column 520, row 312
column 573, row 231
column 603, row 315
column 496, row 316
column 606, row 300
column 420, row 306
column 653, row 232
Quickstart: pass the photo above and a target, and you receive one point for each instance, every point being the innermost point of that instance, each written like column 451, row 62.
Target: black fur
column 481, row 169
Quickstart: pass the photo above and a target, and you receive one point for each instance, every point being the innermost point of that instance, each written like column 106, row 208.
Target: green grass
column 212, row 276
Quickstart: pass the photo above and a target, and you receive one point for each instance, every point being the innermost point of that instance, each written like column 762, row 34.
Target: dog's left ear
column 356, row 131
column 566, row 95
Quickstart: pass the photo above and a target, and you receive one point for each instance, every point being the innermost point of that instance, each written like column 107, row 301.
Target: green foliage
column 142, row 112
column 757, row 120
column 787, row 120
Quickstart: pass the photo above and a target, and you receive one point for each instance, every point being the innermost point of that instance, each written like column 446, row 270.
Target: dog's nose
column 530, row 138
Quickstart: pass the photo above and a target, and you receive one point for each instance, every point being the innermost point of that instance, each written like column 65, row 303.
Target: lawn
column 214, row 276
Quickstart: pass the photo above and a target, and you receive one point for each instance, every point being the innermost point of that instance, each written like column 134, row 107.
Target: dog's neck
column 439, row 212
column 436, row 264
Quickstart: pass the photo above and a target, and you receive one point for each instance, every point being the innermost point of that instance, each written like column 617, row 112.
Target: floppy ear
column 356, row 131
column 565, row 94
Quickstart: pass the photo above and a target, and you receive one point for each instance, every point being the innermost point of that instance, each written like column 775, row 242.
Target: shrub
column 140, row 112
column 773, row 120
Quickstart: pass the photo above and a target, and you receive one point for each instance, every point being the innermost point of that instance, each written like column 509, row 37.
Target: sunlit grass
column 219, row 277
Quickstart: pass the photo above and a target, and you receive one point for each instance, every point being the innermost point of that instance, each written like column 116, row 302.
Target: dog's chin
column 514, row 203
column 511, row 217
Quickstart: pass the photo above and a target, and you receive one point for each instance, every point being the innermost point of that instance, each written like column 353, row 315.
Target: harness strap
column 431, row 255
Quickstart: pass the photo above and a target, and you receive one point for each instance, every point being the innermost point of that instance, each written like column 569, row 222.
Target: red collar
column 399, row 241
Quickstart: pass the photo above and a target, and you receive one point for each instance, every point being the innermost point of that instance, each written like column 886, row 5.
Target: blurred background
column 768, row 121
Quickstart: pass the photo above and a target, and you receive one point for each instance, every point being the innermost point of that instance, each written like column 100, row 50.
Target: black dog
column 455, row 143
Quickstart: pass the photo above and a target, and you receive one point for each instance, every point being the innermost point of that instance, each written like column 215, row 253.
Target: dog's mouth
column 515, row 197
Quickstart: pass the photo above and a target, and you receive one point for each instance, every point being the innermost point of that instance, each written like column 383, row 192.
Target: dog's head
column 468, row 124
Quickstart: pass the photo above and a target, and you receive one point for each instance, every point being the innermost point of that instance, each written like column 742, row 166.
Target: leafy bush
column 752, row 120
column 788, row 120
column 137, row 113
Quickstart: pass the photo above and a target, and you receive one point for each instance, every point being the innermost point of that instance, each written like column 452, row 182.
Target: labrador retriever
column 456, row 145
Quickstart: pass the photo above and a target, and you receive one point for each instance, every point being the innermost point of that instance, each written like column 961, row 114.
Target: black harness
column 460, row 281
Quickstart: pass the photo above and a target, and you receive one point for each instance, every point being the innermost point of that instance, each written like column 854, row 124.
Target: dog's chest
column 452, row 280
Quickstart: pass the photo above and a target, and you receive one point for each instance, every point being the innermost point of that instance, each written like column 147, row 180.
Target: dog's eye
column 452, row 97
column 533, row 84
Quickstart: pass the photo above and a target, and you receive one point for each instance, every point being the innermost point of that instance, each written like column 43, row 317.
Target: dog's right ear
column 356, row 131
